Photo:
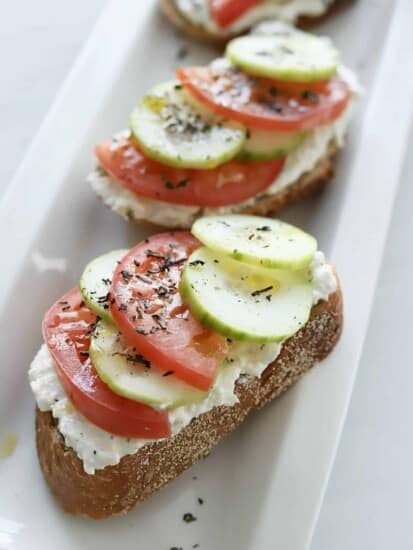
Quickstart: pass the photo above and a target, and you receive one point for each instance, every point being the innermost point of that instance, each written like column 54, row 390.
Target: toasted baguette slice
column 170, row 10
column 306, row 185
column 117, row 489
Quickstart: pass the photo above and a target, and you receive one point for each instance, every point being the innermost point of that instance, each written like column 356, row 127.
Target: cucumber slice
column 244, row 302
column 96, row 280
column 292, row 55
column 255, row 240
column 267, row 145
column 128, row 374
column 170, row 129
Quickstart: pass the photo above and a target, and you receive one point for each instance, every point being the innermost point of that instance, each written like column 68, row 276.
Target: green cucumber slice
column 291, row 55
column 244, row 302
column 96, row 280
column 267, row 145
column 171, row 130
column 128, row 374
column 256, row 240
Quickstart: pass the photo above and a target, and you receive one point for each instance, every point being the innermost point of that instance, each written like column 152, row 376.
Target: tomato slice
column 266, row 104
column 230, row 183
column 147, row 306
column 67, row 328
column 225, row 12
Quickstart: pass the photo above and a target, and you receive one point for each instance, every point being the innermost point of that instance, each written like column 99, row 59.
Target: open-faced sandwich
column 251, row 133
column 164, row 349
column 219, row 20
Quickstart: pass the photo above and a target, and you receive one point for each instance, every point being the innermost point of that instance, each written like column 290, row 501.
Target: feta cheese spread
column 98, row 448
column 197, row 12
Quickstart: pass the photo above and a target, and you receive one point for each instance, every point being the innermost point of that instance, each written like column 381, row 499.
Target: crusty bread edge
column 170, row 10
column 117, row 489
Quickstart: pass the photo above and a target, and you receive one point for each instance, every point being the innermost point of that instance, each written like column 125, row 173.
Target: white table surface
column 369, row 499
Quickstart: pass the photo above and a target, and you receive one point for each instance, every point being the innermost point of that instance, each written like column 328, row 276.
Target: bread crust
column 169, row 9
column 117, row 489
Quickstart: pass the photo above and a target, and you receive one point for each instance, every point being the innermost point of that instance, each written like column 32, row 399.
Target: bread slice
column 117, row 489
column 306, row 185
column 170, row 10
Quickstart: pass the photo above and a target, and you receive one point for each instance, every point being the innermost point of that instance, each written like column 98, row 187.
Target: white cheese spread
column 98, row 448
column 197, row 12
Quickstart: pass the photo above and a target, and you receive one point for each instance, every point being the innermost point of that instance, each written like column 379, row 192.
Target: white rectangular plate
column 263, row 486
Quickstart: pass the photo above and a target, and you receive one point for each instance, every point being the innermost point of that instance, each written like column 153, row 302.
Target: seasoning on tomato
column 267, row 104
column 147, row 307
column 67, row 328
column 230, row 183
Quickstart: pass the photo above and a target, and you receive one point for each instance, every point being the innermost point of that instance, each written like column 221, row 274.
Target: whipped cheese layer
column 197, row 12
column 98, row 448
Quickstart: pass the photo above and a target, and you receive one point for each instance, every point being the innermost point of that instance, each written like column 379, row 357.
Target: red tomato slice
column 225, row 12
column 149, row 310
column 66, row 328
column 230, row 183
column 267, row 104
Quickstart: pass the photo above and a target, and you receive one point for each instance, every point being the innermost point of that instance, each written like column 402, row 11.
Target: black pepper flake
column 162, row 291
column 272, row 105
column 126, row 275
column 65, row 308
column 168, row 373
column 188, row 517
column 84, row 353
column 201, row 501
column 106, row 281
column 137, row 263
column 264, row 228
column 63, row 302
column 196, row 263
column 166, row 264
column 140, row 330
column 181, row 183
column 137, row 359
column 144, row 279
column 153, row 254
column 122, row 307
column 182, row 52
column 261, row 290
column 158, row 319
column 103, row 299
column 308, row 94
